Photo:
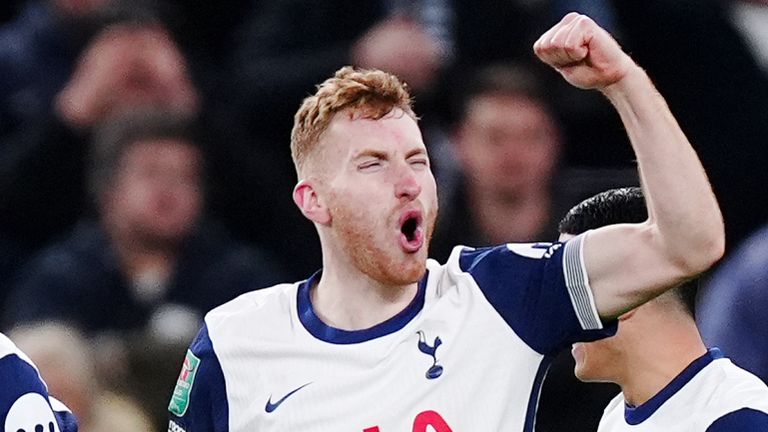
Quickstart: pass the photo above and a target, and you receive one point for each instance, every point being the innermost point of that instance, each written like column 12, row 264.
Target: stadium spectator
column 507, row 144
column 42, row 173
column 150, row 261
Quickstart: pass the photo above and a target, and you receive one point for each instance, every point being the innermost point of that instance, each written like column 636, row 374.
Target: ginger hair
column 369, row 94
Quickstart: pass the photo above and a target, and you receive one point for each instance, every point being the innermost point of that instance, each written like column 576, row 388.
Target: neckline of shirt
column 320, row 330
column 636, row 415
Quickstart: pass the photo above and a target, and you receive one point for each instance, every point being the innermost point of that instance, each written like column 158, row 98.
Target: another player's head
column 147, row 176
column 364, row 176
column 606, row 359
column 507, row 138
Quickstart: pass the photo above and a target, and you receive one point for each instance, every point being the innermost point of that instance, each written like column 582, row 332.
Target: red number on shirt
column 420, row 423
column 430, row 418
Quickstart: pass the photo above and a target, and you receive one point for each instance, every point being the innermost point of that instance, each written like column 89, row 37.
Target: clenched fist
column 583, row 52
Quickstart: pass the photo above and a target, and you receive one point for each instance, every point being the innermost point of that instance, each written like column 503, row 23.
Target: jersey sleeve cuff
column 577, row 283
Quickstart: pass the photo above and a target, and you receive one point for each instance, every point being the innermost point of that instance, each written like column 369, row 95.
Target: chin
column 399, row 272
column 583, row 375
column 415, row 272
column 594, row 374
column 405, row 273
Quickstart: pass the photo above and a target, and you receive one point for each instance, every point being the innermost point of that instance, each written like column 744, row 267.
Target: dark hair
column 623, row 205
column 614, row 206
column 115, row 135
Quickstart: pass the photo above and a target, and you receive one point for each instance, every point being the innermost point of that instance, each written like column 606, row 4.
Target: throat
column 358, row 306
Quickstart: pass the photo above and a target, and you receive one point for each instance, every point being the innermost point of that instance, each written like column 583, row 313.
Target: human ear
column 306, row 197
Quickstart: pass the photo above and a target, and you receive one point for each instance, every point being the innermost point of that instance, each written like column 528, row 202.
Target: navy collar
column 637, row 415
column 326, row 333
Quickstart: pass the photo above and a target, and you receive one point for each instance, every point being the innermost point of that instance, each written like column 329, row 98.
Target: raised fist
column 585, row 54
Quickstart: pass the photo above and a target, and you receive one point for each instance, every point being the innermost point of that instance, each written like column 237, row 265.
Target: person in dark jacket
column 151, row 261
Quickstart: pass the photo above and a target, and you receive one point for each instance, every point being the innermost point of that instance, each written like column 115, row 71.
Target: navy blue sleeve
column 24, row 402
column 199, row 401
column 745, row 419
column 541, row 290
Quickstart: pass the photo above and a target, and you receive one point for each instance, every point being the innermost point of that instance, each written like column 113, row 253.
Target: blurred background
column 145, row 171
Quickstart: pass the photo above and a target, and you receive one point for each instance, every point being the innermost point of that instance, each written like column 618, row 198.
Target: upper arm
column 199, row 401
column 24, row 401
column 745, row 419
column 540, row 290
column 627, row 265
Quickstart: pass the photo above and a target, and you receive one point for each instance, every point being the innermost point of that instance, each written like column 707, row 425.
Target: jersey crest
column 435, row 370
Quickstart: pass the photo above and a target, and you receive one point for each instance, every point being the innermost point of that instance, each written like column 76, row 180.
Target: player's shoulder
column 511, row 262
column 255, row 303
column 735, row 385
column 733, row 376
column 469, row 259
column 466, row 256
column 264, row 311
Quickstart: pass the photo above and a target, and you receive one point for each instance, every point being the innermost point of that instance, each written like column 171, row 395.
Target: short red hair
column 365, row 93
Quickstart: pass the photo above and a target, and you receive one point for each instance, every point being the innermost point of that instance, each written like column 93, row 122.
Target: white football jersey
column 24, row 402
column 468, row 354
column 710, row 395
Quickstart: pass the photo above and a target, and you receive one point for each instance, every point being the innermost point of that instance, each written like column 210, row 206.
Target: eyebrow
column 369, row 153
column 416, row 152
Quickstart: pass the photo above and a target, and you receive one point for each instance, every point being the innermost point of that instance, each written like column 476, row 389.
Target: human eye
column 419, row 162
column 371, row 165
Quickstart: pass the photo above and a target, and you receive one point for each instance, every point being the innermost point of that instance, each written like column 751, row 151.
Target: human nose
column 407, row 185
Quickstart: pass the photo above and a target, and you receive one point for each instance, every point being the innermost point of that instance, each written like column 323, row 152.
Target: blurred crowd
column 145, row 171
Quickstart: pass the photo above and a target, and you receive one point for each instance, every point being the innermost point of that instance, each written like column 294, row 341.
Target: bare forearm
column 681, row 205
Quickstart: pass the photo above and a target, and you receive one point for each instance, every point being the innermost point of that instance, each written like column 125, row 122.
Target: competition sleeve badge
column 180, row 397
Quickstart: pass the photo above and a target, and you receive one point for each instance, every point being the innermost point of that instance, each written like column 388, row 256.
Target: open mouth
column 409, row 228
column 411, row 231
